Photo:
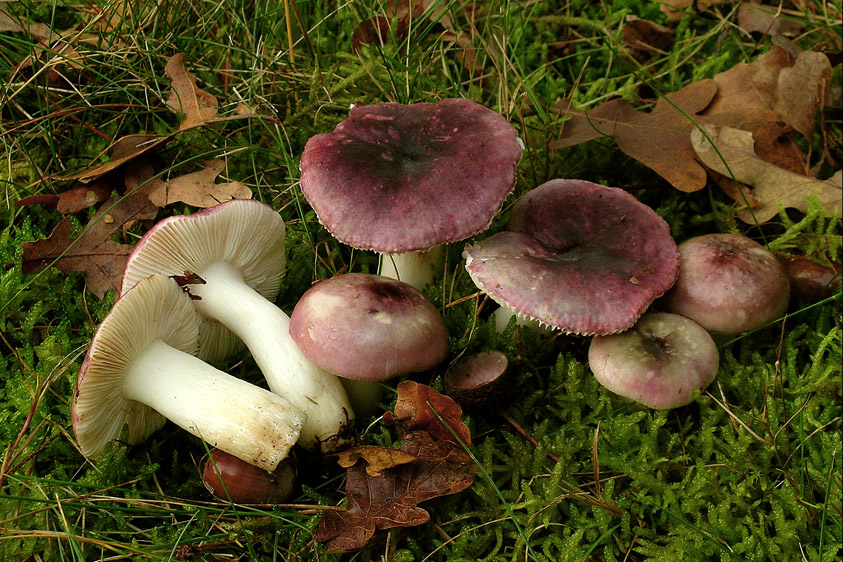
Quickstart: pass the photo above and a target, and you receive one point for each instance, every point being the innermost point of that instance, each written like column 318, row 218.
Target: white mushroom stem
column 242, row 419
column 504, row 313
column 414, row 268
column 265, row 329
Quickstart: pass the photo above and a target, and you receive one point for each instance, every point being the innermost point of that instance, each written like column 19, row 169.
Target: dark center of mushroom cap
column 399, row 178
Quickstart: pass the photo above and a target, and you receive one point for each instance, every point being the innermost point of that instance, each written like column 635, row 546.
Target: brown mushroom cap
column 243, row 233
column 579, row 256
column 398, row 178
column 368, row 327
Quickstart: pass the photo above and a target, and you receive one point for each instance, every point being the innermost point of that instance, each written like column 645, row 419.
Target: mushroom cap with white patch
column 244, row 233
column 368, row 327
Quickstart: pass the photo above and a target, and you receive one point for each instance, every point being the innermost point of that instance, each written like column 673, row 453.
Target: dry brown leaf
column 198, row 189
column 377, row 459
column 72, row 200
column 767, row 20
column 93, row 252
column 37, row 30
column 384, row 491
column 391, row 499
column 658, row 139
column 197, row 105
column 123, row 150
column 646, row 36
column 403, row 12
column 676, row 9
column 795, row 89
column 773, row 187
column 419, row 407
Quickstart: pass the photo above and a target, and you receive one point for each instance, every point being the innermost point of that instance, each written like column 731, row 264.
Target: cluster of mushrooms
column 403, row 180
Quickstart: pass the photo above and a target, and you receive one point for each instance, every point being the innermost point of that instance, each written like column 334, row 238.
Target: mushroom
column 141, row 369
column 728, row 284
column 810, row 281
column 236, row 249
column 578, row 256
column 368, row 328
column 478, row 380
column 231, row 479
column 659, row 362
column 403, row 179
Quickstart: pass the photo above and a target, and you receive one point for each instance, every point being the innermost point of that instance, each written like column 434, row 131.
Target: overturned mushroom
column 403, row 179
column 234, row 252
column 141, row 370
column 478, row 380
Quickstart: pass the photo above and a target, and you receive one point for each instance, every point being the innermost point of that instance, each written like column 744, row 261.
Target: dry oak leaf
column 793, row 88
column 391, row 499
column 198, row 189
column 773, row 187
column 92, row 252
column 767, row 20
column 419, row 407
column 658, row 139
column 377, row 459
column 676, row 9
column 197, row 105
column 123, row 150
column 646, row 36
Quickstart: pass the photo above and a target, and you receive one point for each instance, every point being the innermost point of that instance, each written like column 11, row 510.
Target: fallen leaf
column 384, row 486
column 802, row 90
column 676, row 9
column 658, row 139
column 197, row 105
column 37, row 30
column 123, row 150
column 767, row 20
column 92, row 252
column 391, row 499
column 795, row 89
column 72, row 200
column 419, row 407
column 646, row 36
column 403, row 12
column 773, row 187
column 198, row 188
column 377, row 459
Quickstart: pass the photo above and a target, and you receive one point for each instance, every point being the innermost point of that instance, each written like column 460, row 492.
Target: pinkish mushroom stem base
column 228, row 413
column 265, row 329
column 414, row 268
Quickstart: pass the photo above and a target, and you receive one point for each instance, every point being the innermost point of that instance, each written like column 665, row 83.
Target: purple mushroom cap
column 659, row 362
column 578, row 256
column 399, row 178
column 729, row 284
column 367, row 327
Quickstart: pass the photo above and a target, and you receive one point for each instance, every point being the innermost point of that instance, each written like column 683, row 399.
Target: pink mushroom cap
column 367, row 327
column 399, row 178
column 578, row 256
